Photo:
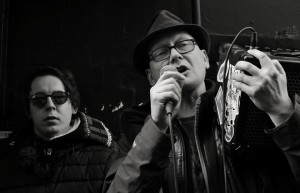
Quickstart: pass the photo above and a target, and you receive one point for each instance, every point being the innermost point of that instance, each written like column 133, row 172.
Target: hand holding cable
column 266, row 86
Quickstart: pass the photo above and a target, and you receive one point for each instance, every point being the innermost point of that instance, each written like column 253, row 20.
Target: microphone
column 254, row 40
column 169, row 104
column 239, row 53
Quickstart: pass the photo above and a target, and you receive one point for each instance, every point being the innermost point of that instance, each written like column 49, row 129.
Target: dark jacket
column 147, row 167
column 76, row 162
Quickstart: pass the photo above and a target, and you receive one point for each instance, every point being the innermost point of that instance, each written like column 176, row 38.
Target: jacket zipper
column 182, row 165
column 48, row 151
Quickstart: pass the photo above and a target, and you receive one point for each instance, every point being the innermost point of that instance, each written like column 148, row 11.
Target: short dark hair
column 66, row 77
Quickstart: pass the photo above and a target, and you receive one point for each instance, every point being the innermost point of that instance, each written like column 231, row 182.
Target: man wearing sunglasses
column 198, row 159
column 61, row 149
column 56, row 120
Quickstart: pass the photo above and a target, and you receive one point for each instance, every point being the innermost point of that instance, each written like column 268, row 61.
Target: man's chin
column 191, row 84
column 48, row 133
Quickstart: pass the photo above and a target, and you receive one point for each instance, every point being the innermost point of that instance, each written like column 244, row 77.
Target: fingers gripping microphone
column 169, row 104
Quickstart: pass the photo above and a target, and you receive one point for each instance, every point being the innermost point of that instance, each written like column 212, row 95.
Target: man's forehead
column 46, row 82
column 169, row 37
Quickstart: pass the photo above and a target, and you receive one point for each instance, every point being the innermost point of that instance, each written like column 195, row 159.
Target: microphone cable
column 169, row 107
column 253, row 45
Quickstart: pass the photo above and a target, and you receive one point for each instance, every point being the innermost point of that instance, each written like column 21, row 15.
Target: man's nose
column 174, row 56
column 50, row 104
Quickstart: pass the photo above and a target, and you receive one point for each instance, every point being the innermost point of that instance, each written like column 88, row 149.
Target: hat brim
column 140, row 54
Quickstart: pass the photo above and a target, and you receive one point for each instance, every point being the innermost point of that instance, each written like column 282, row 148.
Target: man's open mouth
column 181, row 69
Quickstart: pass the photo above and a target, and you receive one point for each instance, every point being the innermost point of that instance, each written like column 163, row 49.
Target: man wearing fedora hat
column 148, row 167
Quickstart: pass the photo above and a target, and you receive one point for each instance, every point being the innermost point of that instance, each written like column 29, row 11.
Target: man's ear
column 74, row 111
column 150, row 77
column 205, row 59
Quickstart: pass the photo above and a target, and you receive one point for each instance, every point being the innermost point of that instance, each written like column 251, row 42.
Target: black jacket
column 76, row 162
column 149, row 168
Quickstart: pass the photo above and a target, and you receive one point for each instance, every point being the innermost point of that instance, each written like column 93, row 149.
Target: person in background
column 61, row 149
column 148, row 167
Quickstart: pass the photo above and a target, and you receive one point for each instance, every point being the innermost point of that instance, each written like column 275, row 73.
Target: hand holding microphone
column 165, row 95
column 169, row 104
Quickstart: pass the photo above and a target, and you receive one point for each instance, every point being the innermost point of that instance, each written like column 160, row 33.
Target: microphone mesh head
column 167, row 68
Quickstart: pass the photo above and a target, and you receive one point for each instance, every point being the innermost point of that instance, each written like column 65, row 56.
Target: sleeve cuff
column 288, row 133
column 153, row 143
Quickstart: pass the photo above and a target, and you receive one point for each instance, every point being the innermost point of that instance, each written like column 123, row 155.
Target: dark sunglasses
column 40, row 99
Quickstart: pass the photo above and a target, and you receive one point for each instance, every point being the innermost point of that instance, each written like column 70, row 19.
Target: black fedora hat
column 164, row 21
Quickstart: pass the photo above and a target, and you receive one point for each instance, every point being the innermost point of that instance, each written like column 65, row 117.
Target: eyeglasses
column 40, row 99
column 181, row 47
